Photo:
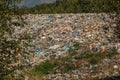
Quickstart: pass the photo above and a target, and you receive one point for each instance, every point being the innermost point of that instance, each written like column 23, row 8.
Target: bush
column 112, row 52
column 94, row 59
column 45, row 67
column 67, row 68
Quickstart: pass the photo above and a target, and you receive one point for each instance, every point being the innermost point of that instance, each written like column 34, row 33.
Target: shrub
column 45, row 67
column 94, row 59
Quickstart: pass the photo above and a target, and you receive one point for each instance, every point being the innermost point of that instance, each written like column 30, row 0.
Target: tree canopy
column 76, row 6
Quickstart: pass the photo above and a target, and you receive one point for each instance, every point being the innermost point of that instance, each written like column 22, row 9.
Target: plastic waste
column 17, row 49
column 49, row 17
column 88, row 18
column 79, row 30
column 54, row 47
column 58, row 34
column 37, row 51
column 41, row 53
column 69, row 48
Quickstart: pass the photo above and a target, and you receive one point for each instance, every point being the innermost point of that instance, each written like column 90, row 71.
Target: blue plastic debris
column 68, row 48
column 37, row 51
column 49, row 17
column 41, row 53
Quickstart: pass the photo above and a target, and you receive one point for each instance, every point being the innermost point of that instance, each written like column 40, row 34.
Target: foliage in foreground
column 45, row 67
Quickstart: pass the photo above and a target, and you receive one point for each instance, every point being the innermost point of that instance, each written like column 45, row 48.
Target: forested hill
column 76, row 6
column 32, row 3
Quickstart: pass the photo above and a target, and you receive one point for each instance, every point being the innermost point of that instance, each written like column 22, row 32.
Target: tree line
column 75, row 6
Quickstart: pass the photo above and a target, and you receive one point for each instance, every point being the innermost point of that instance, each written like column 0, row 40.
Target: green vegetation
column 94, row 59
column 67, row 68
column 45, row 67
column 76, row 6
column 49, row 66
column 8, row 44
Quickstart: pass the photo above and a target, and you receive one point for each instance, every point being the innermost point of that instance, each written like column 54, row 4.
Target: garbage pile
column 54, row 34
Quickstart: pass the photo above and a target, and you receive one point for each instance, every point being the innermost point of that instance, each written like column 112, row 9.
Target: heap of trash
column 55, row 34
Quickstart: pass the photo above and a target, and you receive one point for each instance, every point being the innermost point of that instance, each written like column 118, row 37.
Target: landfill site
column 53, row 35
